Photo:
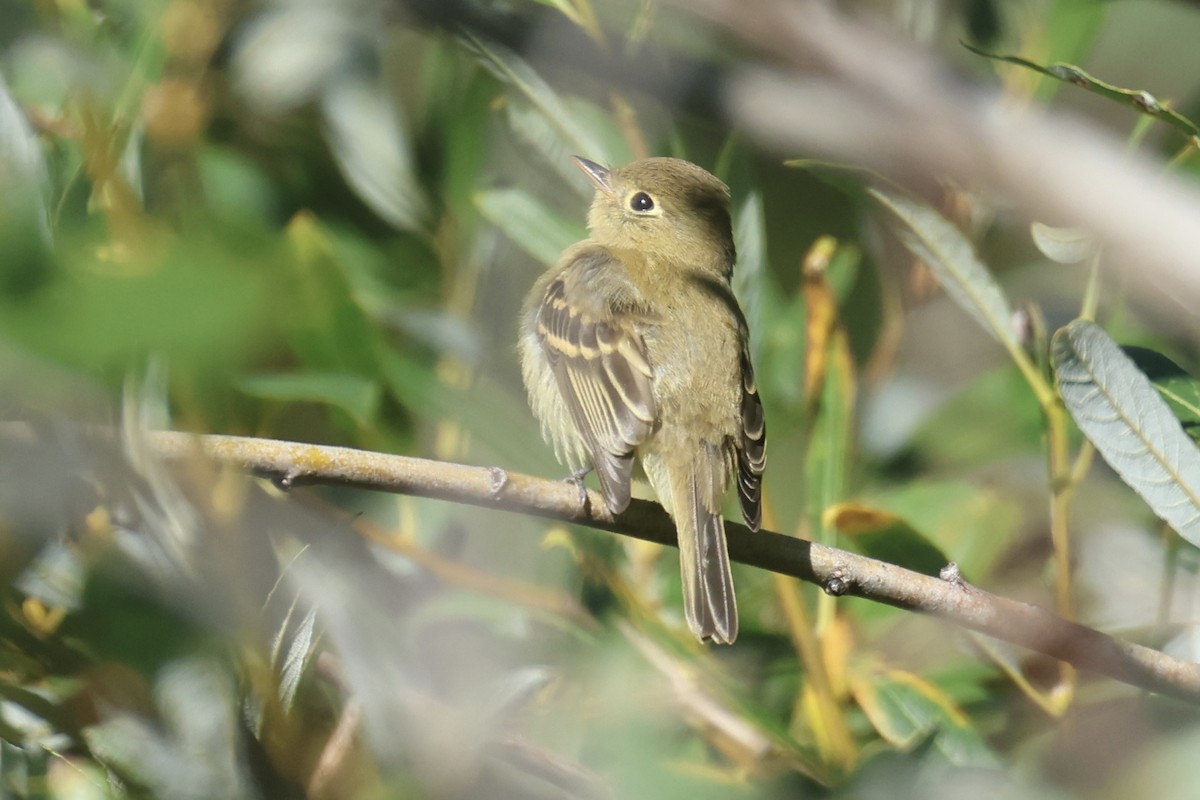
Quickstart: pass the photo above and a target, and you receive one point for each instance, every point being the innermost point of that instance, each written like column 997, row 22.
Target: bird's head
column 663, row 208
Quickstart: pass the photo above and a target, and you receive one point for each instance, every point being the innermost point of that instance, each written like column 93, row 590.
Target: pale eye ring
column 641, row 203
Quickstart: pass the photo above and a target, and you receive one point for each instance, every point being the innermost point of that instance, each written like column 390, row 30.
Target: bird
column 635, row 353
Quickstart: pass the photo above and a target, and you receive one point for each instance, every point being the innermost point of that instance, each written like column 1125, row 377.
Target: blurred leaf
column 1063, row 245
column 1071, row 28
column 845, row 178
column 831, row 444
column 235, row 187
column 514, row 693
column 821, row 317
column 562, row 134
column 751, row 277
column 905, row 709
column 55, row 577
column 1137, row 99
column 25, row 259
column 284, row 58
column 541, row 133
column 330, row 330
column 200, row 305
column 357, row 396
column 23, row 770
column 972, row 526
column 1116, row 407
column 195, row 752
column 953, row 434
column 300, row 651
column 369, row 142
column 537, row 230
column 887, row 537
column 1180, row 389
column 23, row 175
column 938, row 243
column 983, row 20
column 566, row 8
column 1007, row 657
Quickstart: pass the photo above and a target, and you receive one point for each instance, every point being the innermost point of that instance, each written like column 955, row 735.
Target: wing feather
column 751, row 448
column 599, row 359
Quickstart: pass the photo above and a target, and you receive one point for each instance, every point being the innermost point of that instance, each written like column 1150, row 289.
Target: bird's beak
column 596, row 174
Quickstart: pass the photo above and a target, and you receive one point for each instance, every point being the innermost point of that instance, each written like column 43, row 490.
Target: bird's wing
column 751, row 447
column 588, row 326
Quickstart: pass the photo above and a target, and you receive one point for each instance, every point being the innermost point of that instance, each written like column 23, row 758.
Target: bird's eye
column 641, row 202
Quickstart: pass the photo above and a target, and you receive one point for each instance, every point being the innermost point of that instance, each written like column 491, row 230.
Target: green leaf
column 1063, row 245
column 1116, row 407
column 972, row 525
column 559, row 133
column 1137, row 99
column 368, row 140
column 886, row 537
column 532, row 226
column 751, row 278
column 937, row 242
column 357, row 396
column 300, row 651
column 906, row 710
column 953, row 434
column 1180, row 389
column 201, row 305
column 22, row 169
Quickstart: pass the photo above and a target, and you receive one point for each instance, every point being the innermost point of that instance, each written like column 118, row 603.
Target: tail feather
column 708, row 599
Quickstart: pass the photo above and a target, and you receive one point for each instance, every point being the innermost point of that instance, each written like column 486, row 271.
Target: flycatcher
column 633, row 348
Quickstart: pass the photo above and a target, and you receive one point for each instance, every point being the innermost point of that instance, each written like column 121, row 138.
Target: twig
column 837, row 571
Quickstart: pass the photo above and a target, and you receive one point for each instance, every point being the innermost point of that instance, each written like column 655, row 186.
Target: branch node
column 499, row 480
column 837, row 584
column 284, row 481
column 951, row 574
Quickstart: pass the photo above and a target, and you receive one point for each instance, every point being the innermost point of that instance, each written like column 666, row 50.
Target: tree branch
column 836, row 571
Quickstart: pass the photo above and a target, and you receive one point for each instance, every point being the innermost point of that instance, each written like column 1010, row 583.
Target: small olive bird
column 634, row 347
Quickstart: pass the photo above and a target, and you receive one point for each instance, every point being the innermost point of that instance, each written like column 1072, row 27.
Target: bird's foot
column 576, row 479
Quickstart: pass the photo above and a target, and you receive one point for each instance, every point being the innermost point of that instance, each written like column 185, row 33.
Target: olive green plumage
column 633, row 347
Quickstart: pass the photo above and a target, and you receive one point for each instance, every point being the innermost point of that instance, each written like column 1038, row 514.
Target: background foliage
column 316, row 221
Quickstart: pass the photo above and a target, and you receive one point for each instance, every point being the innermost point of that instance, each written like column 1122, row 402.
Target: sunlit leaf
column 564, row 132
column 1064, row 245
column 284, row 58
column 971, row 525
column 1116, row 407
column 821, row 316
column 751, row 278
column 25, row 259
column 944, row 248
column 23, row 174
column 535, row 228
column 885, row 536
column 368, row 140
column 300, row 651
column 905, row 709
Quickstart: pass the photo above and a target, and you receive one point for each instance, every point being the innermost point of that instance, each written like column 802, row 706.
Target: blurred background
column 315, row 221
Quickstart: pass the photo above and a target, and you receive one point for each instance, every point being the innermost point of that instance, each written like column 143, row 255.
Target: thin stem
column 837, row 744
column 1091, row 293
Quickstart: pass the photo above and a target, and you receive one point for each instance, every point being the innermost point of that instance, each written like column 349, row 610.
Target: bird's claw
column 576, row 479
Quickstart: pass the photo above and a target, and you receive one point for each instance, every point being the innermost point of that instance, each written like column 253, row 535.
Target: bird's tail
column 708, row 599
